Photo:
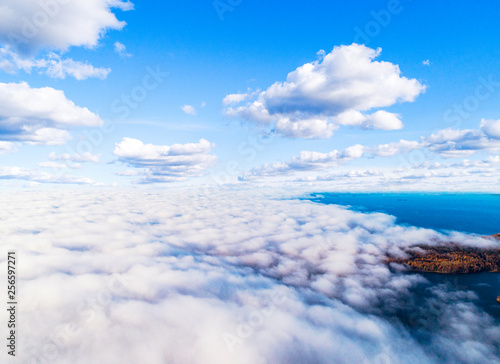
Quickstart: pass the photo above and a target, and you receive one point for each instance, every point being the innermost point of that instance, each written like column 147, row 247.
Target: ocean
column 466, row 212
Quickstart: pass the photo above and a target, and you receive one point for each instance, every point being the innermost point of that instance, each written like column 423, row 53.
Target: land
column 451, row 259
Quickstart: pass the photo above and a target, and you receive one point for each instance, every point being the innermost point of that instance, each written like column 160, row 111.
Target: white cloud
column 60, row 68
column 84, row 157
column 121, row 49
column 306, row 161
column 24, row 174
column 447, row 143
column 163, row 163
column 305, row 128
column 403, row 175
column 55, row 165
column 69, row 161
column 30, row 25
column 7, row 148
column 34, row 135
column 456, row 143
column 352, row 174
column 313, row 161
column 130, row 276
column 426, row 62
column 394, row 148
column 378, row 120
column 53, row 66
column 233, row 99
column 188, row 109
column 491, row 128
column 384, row 120
column 39, row 115
column 344, row 83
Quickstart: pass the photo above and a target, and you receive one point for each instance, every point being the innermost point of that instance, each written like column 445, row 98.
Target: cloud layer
column 339, row 89
column 446, row 143
column 129, row 276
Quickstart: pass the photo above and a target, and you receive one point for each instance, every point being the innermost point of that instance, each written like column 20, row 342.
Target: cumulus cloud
column 455, row 143
column 163, row 163
column 338, row 89
column 383, row 120
column 30, row 25
column 451, row 143
column 39, row 115
column 491, row 128
column 129, row 276
column 188, row 109
column 53, row 66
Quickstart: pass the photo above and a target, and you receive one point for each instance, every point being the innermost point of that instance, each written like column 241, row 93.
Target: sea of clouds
column 231, row 277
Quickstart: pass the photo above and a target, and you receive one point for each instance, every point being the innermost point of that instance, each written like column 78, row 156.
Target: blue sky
column 204, row 54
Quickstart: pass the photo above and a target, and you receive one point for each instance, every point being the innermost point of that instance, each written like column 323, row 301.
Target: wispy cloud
column 31, row 175
column 53, row 66
column 121, row 49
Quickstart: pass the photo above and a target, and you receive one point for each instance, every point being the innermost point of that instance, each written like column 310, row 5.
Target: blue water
column 467, row 212
column 471, row 213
